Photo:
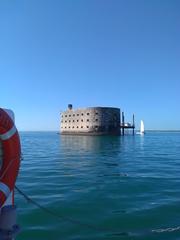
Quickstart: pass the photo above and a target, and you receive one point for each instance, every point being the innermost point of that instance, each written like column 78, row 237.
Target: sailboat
column 142, row 128
column 141, row 132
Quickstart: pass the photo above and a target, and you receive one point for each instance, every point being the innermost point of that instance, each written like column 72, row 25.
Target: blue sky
column 119, row 53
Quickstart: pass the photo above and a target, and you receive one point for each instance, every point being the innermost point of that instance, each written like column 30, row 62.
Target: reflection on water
column 90, row 143
column 141, row 142
column 99, row 155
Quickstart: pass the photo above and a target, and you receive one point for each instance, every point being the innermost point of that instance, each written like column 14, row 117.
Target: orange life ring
column 11, row 149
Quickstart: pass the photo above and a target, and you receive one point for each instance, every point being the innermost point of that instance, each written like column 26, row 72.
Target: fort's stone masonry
column 90, row 121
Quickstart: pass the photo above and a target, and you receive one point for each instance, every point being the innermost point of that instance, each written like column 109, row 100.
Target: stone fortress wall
column 90, row 121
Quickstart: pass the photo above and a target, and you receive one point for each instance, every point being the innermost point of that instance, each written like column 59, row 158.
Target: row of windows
column 87, row 120
column 79, row 127
column 82, row 114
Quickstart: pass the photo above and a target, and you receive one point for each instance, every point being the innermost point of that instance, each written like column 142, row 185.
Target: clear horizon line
column 159, row 130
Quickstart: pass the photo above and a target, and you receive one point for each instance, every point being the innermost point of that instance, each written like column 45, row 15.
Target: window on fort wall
column 77, row 127
column 65, row 115
column 87, row 126
column 77, row 114
column 81, row 126
column 69, row 115
column 87, row 113
column 77, row 120
column 69, row 127
column 65, row 121
column 81, row 120
column 82, row 114
column 96, row 120
column 73, row 120
column 87, row 120
column 115, row 116
column 73, row 115
column 69, row 120
column 96, row 113
column 73, row 127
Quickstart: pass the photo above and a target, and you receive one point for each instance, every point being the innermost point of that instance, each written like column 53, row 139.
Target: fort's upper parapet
column 90, row 121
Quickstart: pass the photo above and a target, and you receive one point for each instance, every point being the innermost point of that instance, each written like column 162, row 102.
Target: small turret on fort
column 70, row 106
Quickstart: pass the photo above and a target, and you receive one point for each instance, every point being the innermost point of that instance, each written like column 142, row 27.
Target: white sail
column 142, row 127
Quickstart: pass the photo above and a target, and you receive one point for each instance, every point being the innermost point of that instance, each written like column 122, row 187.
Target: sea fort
column 93, row 121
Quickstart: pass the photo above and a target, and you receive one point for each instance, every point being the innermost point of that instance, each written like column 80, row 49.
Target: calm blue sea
column 100, row 187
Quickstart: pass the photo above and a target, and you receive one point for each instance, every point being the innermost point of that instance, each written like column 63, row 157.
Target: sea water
column 100, row 187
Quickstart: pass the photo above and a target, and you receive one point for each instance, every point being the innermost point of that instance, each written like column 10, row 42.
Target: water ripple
column 127, row 185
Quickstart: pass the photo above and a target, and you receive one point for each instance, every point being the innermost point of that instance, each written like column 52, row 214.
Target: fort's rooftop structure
column 93, row 121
